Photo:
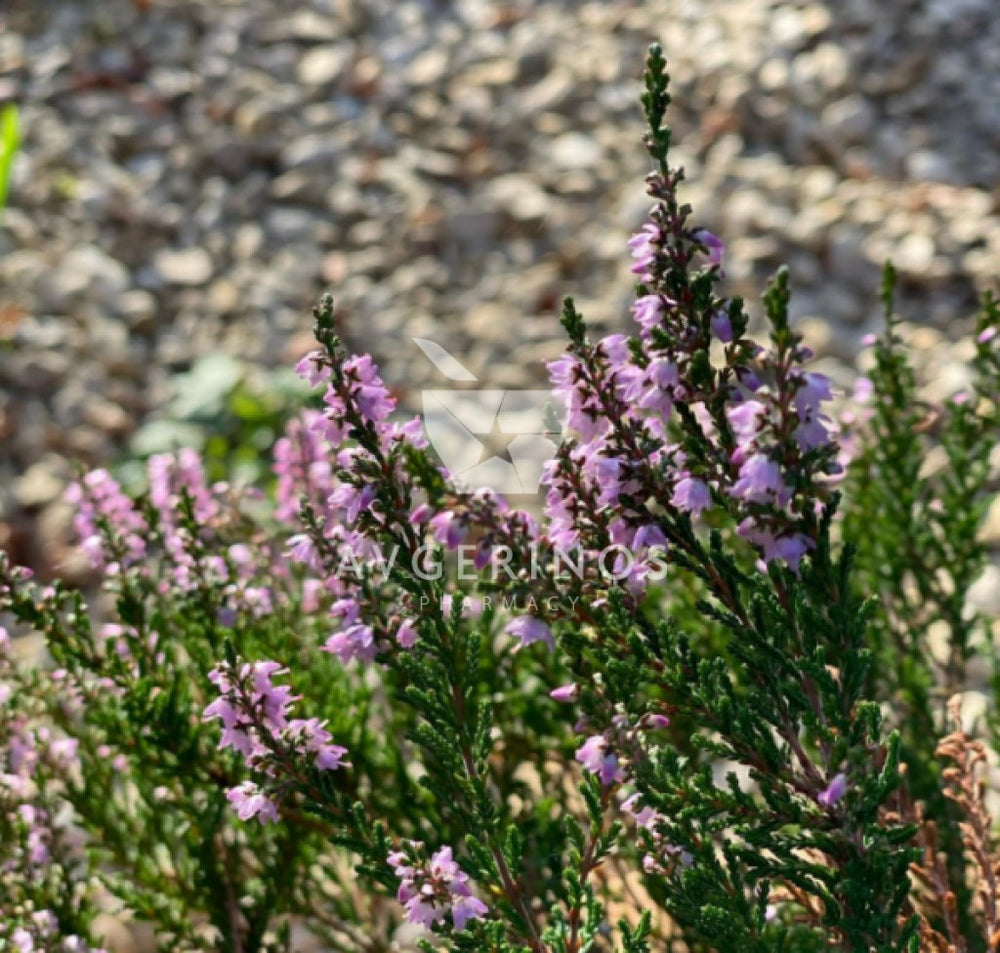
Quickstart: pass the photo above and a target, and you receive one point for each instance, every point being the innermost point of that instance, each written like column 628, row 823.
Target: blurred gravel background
column 195, row 173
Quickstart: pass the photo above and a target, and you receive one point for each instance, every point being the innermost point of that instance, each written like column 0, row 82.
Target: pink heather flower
column 370, row 395
column 812, row 391
column 443, row 865
column 648, row 311
column 300, row 461
column 834, row 791
column 582, row 410
column 467, row 908
column 309, row 735
column 984, row 337
column 565, row 693
column 615, row 348
column 746, row 419
column 659, row 382
column 863, row 390
column 594, row 755
column 250, row 801
column 23, row 941
column 411, row 432
column 449, row 529
column 530, row 630
column 171, row 473
column 254, row 716
column 647, row 536
column 100, row 497
column 406, row 634
column 789, row 548
column 374, row 401
column 421, row 514
column 357, row 641
column 691, row 495
column 869, row 340
column 760, row 481
column 428, row 891
column 303, row 550
column 312, row 369
column 644, row 246
column 643, row 815
column 715, row 245
column 312, row 590
column 722, row 327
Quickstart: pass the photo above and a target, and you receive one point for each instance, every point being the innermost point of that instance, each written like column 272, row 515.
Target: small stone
column 428, row 68
column 223, row 296
column 190, row 267
column 107, row 417
column 489, row 321
column 574, row 151
column 915, row 253
column 85, row 272
column 323, row 65
column 310, row 151
column 138, row 308
column 849, row 120
column 41, row 483
column 287, row 224
column 520, row 197
column 499, row 72
column 773, row 75
column 925, row 165
column 553, row 92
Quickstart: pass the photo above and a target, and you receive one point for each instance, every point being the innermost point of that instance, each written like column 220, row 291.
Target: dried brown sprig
column 964, row 785
column 933, row 896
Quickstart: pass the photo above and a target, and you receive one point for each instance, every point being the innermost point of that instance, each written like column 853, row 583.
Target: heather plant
column 684, row 702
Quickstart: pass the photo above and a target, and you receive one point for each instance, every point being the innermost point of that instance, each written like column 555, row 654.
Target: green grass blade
column 10, row 139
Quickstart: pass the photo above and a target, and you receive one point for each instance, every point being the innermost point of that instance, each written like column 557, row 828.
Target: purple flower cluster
column 114, row 533
column 661, row 857
column 431, row 889
column 661, row 419
column 33, row 762
column 608, row 754
column 254, row 713
column 350, row 458
column 302, row 465
column 99, row 499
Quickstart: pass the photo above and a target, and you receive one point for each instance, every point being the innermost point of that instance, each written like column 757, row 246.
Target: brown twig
column 964, row 785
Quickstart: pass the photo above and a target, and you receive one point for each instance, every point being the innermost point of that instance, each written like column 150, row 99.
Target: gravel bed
column 195, row 173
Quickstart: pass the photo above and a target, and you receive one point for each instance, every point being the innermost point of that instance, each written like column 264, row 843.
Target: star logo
column 496, row 443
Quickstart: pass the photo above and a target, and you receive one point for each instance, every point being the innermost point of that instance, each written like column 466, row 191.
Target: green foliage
column 916, row 526
column 10, row 141
column 231, row 413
